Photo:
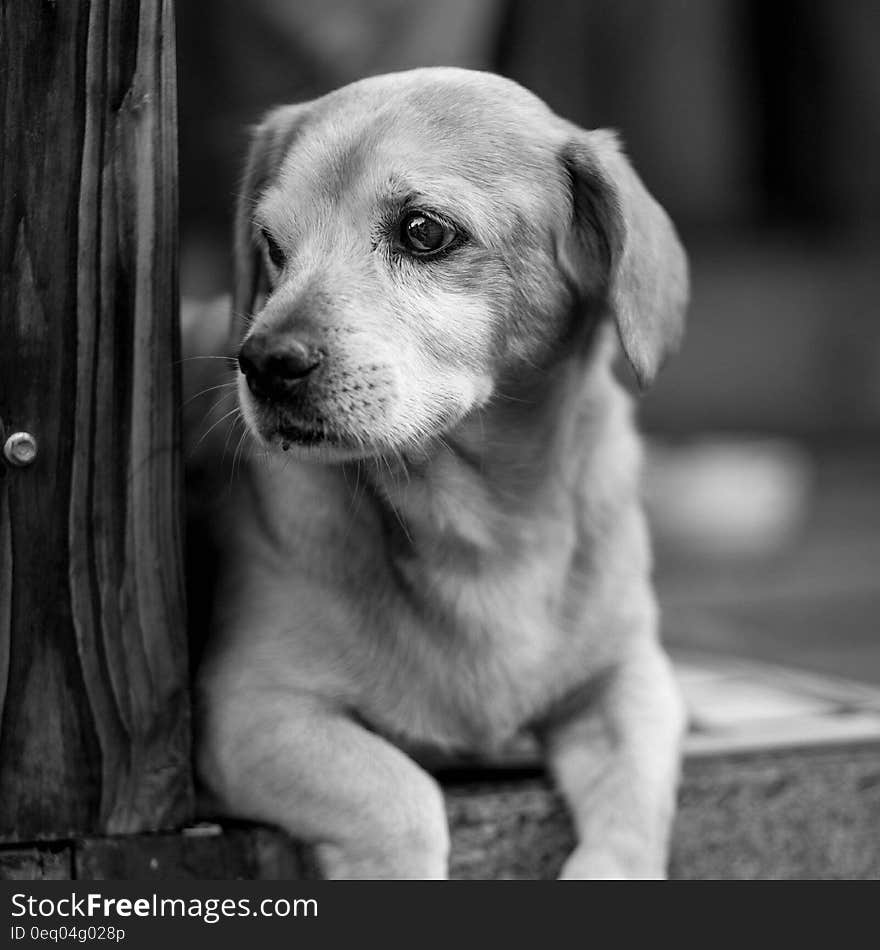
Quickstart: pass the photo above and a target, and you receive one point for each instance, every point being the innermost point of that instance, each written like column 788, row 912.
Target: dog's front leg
column 616, row 762
column 368, row 809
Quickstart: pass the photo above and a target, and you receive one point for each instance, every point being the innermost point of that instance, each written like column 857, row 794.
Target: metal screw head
column 20, row 449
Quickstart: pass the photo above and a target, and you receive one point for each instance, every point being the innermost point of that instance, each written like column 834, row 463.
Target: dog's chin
column 313, row 443
column 309, row 441
column 321, row 439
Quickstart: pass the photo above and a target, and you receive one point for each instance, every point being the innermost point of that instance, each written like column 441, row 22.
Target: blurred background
column 757, row 126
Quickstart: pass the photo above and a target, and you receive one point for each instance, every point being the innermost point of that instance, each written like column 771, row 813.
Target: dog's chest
column 473, row 654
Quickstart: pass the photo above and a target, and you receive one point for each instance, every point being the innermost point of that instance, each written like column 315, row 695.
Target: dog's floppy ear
column 623, row 248
column 270, row 141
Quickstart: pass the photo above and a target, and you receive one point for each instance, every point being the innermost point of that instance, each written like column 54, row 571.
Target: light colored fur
column 463, row 555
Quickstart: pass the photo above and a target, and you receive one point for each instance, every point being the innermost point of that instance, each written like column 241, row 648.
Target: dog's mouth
column 312, row 439
column 303, row 429
column 305, row 434
column 280, row 427
column 318, row 438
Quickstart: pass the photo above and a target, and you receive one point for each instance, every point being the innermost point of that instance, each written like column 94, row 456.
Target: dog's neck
column 515, row 464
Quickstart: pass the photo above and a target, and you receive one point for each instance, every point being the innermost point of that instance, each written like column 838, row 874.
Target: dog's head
column 406, row 242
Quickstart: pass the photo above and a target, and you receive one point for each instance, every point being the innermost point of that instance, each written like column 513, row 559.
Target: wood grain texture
column 37, row 864
column 252, row 853
column 94, row 730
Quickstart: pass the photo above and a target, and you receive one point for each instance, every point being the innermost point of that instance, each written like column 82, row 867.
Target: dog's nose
column 273, row 367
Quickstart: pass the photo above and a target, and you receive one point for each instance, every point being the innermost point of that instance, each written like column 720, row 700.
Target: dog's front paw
column 590, row 864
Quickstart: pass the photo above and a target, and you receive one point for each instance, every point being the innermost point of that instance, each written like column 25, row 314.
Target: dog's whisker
column 391, row 503
column 238, row 449
column 505, row 397
column 247, row 318
column 401, row 460
column 355, row 501
column 482, row 455
column 209, row 389
column 213, row 408
column 188, row 359
column 239, row 421
column 229, row 433
column 214, row 426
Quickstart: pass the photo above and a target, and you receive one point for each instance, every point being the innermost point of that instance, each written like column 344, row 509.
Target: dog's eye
column 276, row 255
column 423, row 235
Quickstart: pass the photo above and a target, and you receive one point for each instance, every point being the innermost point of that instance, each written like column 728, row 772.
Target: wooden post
column 94, row 705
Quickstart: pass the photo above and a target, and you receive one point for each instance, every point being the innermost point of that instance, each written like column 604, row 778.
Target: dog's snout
column 273, row 367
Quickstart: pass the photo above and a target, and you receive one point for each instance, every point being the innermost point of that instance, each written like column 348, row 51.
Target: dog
column 435, row 537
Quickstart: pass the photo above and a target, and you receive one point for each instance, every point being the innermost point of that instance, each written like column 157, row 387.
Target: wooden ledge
column 806, row 813
column 803, row 813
